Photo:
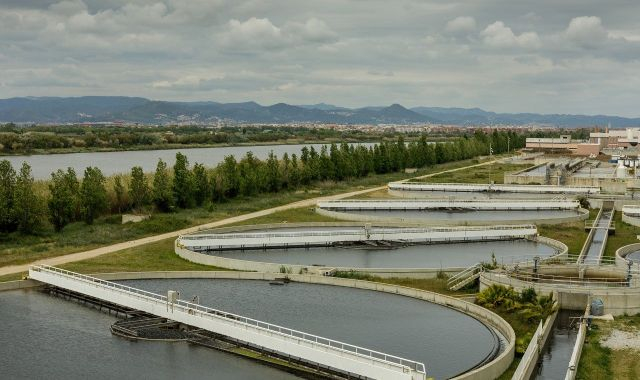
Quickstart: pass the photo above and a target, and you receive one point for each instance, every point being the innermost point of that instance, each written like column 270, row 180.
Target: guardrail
column 413, row 204
column 372, row 230
column 516, row 279
column 371, row 356
column 466, row 187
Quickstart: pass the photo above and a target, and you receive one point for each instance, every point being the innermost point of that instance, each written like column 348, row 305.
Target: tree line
column 71, row 199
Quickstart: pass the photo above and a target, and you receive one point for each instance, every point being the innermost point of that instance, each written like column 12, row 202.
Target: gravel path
column 620, row 340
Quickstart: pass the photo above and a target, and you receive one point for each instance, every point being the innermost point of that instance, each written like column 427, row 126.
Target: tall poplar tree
column 93, row 194
column 27, row 205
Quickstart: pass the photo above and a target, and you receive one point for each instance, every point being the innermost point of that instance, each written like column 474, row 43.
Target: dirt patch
column 621, row 340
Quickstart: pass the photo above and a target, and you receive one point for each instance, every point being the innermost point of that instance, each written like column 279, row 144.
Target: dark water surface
column 414, row 256
column 44, row 337
column 481, row 215
column 557, row 352
column 446, row 341
column 49, row 338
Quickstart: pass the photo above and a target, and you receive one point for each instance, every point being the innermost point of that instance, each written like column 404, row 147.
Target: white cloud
column 461, row 25
column 313, row 30
column 501, row 36
column 255, row 32
column 261, row 33
column 586, row 31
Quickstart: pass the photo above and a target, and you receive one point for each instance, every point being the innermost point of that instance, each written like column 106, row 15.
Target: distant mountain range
column 141, row 110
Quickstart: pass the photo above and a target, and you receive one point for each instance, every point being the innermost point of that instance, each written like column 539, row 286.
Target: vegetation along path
column 151, row 239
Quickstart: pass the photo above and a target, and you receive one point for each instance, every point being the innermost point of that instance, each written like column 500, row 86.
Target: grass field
column 625, row 234
column 483, row 174
column 599, row 362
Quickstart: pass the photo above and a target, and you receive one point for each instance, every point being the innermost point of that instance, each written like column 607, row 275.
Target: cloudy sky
column 550, row 56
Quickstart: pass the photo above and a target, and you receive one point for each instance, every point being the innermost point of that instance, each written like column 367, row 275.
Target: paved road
column 151, row 239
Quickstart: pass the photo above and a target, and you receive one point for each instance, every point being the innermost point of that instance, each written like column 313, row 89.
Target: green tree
column 93, row 194
column 63, row 198
column 120, row 193
column 200, row 184
column 27, row 205
column 182, row 184
column 138, row 188
column 272, row 174
column 162, row 187
column 7, row 189
column 229, row 178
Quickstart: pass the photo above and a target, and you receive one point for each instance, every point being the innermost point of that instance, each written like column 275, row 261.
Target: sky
column 545, row 56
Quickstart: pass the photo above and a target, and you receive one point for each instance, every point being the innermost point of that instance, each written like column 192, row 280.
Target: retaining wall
column 530, row 358
column 617, row 301
column 572, row 369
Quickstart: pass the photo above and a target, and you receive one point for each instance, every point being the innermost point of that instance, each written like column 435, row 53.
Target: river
column 110, row 163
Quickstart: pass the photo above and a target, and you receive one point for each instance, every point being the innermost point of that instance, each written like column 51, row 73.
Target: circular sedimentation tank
column 78, row 340
column 386, row 257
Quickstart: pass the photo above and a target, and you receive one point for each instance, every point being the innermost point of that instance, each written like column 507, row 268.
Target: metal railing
column 557, row 281
column 461, row 279
column 373, row 230
column 550, row 189
column 207, row 312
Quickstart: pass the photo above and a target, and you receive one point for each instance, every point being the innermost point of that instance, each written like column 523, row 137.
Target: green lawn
column 599, row 362
column 482, row 174
column 625, row 234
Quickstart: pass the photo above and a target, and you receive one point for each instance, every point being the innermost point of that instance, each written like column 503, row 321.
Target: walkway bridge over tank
column 353, row 361
column 494, row 188
column 366, row 234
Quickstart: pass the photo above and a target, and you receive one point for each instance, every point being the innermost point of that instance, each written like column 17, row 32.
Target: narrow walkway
column 315, row 350
column 600, row 232
column 11, row 269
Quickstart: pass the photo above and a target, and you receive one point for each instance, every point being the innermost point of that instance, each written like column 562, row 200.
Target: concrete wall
column 617, row 300
column 634, row 221
column 489, row 371
column 519, row 178
column 561, row 248
column 572, row 369
column 534, row 349
column 622, row 252
column 19, row 284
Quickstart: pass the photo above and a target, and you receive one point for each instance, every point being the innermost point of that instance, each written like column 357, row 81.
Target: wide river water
column 56, row 339
column 43, row 165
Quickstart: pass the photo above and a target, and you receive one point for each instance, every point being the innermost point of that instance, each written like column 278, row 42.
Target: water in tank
column 597, row 307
